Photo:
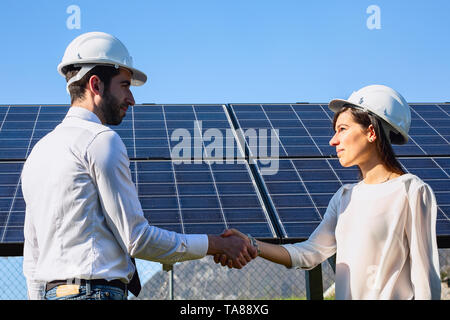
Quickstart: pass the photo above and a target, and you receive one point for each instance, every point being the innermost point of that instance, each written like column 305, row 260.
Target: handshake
column 232, row 248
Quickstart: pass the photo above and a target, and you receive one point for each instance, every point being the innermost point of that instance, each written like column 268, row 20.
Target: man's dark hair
column 77, row 89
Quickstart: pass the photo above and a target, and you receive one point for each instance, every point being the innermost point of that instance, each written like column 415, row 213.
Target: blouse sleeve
column 421, row 233
column 322, row 242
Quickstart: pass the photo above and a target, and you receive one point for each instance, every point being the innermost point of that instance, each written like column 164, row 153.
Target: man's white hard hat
column 98, row 48
column 384, row 102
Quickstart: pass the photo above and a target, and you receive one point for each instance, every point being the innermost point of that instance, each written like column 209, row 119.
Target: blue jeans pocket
column 98, row 292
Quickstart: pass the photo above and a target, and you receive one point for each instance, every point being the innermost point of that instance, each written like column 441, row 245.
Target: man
column 83, row 219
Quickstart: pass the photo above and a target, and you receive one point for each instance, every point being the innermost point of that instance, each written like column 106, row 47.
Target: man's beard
column 110, row 107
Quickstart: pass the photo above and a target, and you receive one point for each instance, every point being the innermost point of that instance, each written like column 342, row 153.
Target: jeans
column 90, row 292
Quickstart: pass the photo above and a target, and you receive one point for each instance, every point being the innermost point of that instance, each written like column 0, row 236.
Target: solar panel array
column 304, row 187
column 265, row 169
column 201, row 198
column 305, row 130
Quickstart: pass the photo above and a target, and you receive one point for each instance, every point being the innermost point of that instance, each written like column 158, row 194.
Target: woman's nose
column 334, row 140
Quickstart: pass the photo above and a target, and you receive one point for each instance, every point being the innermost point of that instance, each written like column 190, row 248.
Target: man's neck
column 89, row 106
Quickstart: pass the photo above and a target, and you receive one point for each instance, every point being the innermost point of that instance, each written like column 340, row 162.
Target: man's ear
column 95, row 85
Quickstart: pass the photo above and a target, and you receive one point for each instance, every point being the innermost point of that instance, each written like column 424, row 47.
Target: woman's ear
column 371, row 135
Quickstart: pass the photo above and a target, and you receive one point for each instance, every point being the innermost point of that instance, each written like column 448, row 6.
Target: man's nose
column 130, row 99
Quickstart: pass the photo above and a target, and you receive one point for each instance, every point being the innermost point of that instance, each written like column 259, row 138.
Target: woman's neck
column 377, row 172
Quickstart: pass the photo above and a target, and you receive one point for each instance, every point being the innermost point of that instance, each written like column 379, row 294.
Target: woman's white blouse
column 384, row 237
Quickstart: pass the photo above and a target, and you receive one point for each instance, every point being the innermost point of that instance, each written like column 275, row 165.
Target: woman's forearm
column 274, row 253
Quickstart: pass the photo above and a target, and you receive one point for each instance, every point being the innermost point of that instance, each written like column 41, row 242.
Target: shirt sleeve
column 322, row 242
column 421, row 233
column 109, row 166
column 35, row 288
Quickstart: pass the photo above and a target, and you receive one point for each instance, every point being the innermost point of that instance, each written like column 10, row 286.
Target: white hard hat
column 384, row 102
column 98, row 48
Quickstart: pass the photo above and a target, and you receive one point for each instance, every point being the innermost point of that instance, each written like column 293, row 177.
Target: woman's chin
column 344, row 163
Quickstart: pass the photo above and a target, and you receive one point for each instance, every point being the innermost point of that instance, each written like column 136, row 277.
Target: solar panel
column 148, row 132
column 178, row 132
column 435, row 172
column 430, row 131
column 12, row 205
column 301, row 189
column 201, row 198
column 188, row 198
column 305, row 130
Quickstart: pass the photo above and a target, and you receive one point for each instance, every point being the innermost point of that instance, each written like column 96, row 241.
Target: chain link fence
column 203, row 279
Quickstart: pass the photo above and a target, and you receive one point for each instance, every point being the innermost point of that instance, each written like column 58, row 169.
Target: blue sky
column 208, row 51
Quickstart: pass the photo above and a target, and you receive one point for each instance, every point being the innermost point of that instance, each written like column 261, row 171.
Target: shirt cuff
column 197, row 245
column 292, row 253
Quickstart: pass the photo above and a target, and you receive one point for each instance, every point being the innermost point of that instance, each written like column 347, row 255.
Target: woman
column 382, row 229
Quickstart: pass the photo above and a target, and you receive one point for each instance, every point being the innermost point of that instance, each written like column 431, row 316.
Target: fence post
column 169, row 268
column 332, row 262
column 314, row 286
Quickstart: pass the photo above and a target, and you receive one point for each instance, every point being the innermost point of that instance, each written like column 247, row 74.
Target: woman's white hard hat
column 384, row 102
column 98, row 48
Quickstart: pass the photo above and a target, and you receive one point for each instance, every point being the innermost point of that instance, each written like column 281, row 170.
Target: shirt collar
column 82, row 113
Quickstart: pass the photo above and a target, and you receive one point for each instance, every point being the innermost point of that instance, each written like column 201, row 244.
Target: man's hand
column 226, row 260
column 234, row 247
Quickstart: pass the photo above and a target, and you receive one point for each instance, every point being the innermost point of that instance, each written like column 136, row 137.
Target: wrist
column 254, row 243
column 215, row 244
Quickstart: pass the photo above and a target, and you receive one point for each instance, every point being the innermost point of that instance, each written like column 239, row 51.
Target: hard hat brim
column 138, row 77
column 336, row 104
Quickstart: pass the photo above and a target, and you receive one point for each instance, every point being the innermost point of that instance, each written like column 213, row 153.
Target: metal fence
column 203, row 279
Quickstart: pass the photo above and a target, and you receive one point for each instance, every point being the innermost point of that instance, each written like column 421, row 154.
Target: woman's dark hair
column 77, row 89
column 384, row 147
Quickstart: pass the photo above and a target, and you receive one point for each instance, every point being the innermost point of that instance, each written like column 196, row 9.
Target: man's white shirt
column 83, row 216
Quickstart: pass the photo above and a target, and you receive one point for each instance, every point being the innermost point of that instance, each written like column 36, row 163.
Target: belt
column 114, row 283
